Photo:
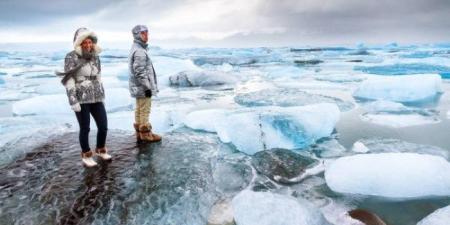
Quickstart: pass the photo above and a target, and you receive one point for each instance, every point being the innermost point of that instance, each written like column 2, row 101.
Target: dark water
column 351, row 128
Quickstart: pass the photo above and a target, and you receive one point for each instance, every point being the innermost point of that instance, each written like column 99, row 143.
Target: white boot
column 87, row 159
column 103, row 153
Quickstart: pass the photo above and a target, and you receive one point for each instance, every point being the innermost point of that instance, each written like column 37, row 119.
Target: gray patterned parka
column 85, row 86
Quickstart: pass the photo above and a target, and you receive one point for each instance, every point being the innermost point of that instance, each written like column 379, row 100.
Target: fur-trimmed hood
column 80, row 35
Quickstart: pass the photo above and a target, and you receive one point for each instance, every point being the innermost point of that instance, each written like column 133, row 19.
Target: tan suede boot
column 156, row 137
column 146, row 134
column 136, row 128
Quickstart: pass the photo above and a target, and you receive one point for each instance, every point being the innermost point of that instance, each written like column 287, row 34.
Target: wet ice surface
column 234, row 122
column 165, row 183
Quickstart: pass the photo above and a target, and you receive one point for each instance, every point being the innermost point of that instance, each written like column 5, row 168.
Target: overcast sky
column 230, row 22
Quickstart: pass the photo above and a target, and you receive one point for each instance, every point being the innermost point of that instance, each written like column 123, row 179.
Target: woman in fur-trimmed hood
column 85, row 91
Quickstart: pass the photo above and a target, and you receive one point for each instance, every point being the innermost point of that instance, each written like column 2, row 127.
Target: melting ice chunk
column 396, row 175
column 264, row 208
column 438, row 217
column 402, row 69
column 262, row 128
column 397, row 115
column 201, row 78
column 411, row 88
column 287, row 97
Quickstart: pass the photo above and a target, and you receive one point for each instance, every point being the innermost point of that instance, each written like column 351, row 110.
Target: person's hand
column 76, row 107
column 148, row 93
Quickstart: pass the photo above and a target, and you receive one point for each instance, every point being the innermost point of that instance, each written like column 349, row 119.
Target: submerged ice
column 264, row 208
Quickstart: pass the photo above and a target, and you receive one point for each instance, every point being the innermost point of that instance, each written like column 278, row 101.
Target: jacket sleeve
column 98, row 64
column 152, row 76
column 140, row 69
column 70, row 63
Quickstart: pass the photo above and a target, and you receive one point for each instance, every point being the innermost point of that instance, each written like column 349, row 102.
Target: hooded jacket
column 83, row 81
column 142, row 73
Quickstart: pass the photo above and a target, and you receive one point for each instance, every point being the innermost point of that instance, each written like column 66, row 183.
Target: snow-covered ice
column 410, row 88
column 396, row 175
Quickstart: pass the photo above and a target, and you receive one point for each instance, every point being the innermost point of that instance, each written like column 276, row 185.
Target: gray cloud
column 26, row 12
column 304, row 21
column 352, row 19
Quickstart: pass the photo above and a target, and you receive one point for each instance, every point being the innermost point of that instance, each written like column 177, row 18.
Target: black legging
column 99, row 113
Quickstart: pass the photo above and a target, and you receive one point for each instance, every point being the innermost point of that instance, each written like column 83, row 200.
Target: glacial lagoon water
column 268, row 120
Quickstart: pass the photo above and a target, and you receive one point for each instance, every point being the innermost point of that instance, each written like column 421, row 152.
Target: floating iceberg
column 394, row 114
column 411, row 88
column 399, row 121
column 236, row 58
column 385, row 106
column 390, row 145
column 361, row 51
column 438, row 217
column 264, row 208
column 403, row 69
column 287, row 97
column 116, row 99
column 200, row 61
column 339, row 78
column 169, row 65
column 359, row 147
column 201, row 78
column 264, row 128
column 283, row 71
column 396, row 175
column 419, row 55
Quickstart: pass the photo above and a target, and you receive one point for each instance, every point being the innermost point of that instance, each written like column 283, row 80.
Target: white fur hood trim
column 80, row 38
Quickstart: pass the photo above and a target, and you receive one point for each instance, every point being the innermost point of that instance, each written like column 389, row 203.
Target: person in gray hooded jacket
column 143, row 84
column 84, row 87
